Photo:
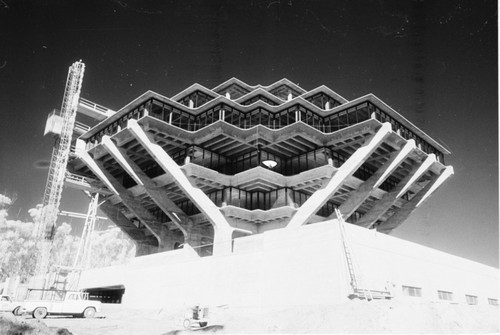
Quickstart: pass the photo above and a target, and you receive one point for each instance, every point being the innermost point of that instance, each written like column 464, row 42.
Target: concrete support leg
column 85, row 157
column 320, row 197
column 200, row 199
column 158, row 195
column 405, row 211
column 358, row 196
column 223, row 243
column 130, row 202
column 193, row 235
column 390, row 198
column 448, row 172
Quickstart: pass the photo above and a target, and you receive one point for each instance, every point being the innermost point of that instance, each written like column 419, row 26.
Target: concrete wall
column 294, row 267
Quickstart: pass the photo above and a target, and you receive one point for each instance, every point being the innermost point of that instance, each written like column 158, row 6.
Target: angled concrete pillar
column 151, row 223
column 320, row 197
column 391, row 197
column 89, row 161
column 404, row 212
column 448, row 172
column 358, row 196
column 143, row 214
column 158, row 195
column 200, row 199
column 223, row 244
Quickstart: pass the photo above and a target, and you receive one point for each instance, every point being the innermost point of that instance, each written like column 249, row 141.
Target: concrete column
column 193, row 235
column 358, row 196
column 320, row 197
column 404, row 212
column 390, row 198
column 223, row 244
column 142, row 249
column 226, row 197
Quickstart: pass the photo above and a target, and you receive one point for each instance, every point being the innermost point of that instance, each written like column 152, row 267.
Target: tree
column 18, row 247
column 110, row 247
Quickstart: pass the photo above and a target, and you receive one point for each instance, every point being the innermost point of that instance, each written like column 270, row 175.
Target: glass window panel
column 471, row 299
column 493, row 302
column 412, row 291
column 444, row 295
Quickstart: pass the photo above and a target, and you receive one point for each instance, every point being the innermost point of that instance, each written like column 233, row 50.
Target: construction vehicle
column 199, row 317
column 196, row 317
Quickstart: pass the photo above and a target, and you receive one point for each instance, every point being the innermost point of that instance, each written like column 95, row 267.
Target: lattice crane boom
column 58, row 164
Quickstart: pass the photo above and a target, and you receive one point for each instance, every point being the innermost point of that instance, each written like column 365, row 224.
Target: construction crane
column 63, row 126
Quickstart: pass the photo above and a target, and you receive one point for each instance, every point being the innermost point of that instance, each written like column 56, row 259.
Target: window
column 72, row 297
column 493, row 302
column 471, row 299
column 444, row 295
column 412, row 291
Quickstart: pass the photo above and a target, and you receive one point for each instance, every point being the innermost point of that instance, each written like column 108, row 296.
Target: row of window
column 260, row 116
column 445, row 295
column 232, row 196
column 286, row 167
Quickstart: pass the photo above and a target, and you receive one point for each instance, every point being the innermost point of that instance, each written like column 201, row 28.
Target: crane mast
column 57, row 170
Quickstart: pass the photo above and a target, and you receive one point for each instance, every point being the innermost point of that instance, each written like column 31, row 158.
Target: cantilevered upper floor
column 209, row 165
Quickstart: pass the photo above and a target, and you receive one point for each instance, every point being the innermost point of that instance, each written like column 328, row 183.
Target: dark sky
column 435, row 62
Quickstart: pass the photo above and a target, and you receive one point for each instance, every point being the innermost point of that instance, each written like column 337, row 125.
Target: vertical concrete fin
column 320, row 197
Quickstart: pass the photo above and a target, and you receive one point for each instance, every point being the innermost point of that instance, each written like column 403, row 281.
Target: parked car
column 40, row 303
column 9, row 305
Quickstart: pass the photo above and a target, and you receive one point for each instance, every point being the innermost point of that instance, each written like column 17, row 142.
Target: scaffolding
column 57, row 170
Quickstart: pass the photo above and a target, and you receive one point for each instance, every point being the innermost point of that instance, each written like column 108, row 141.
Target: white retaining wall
column 296, row 267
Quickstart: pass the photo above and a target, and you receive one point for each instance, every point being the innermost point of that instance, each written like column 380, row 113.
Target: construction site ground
column 378, row 316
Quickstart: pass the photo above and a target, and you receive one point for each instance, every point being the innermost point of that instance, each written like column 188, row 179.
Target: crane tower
column 57, row 170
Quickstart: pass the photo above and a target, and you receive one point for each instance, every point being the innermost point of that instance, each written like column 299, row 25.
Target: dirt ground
column 376, row 317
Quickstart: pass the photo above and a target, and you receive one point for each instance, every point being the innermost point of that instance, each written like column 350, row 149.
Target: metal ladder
column 361, row 293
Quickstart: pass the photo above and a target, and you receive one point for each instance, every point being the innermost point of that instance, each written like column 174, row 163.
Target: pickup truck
column 40, row 303
column 8, row 305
